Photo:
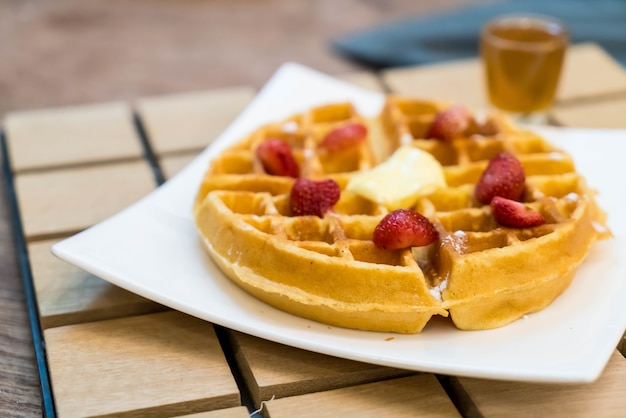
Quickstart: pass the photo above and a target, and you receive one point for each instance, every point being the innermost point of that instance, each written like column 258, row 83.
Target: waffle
column 328, row 269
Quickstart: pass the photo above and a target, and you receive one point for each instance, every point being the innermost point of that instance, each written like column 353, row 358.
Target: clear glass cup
column 522, row 57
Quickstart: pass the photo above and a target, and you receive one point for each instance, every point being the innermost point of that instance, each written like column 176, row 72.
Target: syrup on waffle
column 328, row 268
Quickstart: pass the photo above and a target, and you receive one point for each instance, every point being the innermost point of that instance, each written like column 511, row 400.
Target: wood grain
column 160, row 364
column 276, row 370
column 84, row 51
column 62, row 202
column 75, row 135
column 415, row 396
column 603, row 114
column 446, row 81
column 20, row 395
column 588, row 73
column 190, row 122
column 603, row 398
column 68, row 295
column 237, row 412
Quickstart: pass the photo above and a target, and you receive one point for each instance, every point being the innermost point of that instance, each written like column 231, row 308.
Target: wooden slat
column 20, row 393
column 589, row 72
column 603, row 398
column 276, row 370
column 68, row 200
column 184, row 122
column 415, row 396
column 455, row 82
column 604, row 114
column 161, row 364
column 237, row 412
column 84, row 134
column 68, row 295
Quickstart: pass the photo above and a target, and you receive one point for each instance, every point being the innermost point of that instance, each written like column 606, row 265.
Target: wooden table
column 112, row 353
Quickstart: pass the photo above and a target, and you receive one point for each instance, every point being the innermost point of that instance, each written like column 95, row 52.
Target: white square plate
column 153, row 249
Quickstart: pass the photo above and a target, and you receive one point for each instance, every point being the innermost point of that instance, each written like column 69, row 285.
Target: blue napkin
column 454, row 35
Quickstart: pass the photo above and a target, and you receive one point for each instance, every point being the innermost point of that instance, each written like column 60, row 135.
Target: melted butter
column 399, row 182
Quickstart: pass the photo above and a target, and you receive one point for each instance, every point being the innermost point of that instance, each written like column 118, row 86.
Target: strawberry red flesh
column 514, row 214
column 504, row 177
column 345, row 137
column 310, row 197
column 404, row 228
column 449, row 123
column 277, row 158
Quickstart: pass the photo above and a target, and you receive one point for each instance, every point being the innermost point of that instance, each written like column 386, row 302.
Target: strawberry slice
column 504, row 177
column 514, row 214
column 449, row 123
column 404, row 228
column 310, row 197
column 277, row 158
column 345, row 137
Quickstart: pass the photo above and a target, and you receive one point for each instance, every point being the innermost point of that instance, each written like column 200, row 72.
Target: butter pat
column 400, row 180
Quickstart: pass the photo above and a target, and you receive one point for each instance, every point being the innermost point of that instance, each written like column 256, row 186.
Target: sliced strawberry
column 310, row 197
column 345, row 137
column 504, row 177
column 514, row 214
column 449, row 123
column 277, row 158
column 404, row 228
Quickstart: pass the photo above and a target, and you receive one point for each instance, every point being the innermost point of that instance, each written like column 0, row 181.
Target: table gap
column 27, row 280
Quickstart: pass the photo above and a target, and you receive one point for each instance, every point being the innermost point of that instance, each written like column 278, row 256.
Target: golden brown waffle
column 329, row 270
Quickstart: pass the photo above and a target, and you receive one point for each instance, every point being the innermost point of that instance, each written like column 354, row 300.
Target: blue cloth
column 454, row 35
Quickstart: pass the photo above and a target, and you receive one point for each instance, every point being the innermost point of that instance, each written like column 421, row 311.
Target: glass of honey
column 522, row 57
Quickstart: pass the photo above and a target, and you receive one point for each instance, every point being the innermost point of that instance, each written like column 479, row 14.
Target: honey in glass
column 522, row 57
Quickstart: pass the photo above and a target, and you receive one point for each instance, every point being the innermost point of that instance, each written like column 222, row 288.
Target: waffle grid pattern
column 472, row 244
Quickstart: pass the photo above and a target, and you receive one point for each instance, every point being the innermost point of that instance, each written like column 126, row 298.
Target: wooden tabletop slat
column 80, row 134
column 603, row 398
column 414, row 396
column 163, row 364
column 276, row 370
column 455, row 82
column 605, row 114
column 588, row 73
column 69, row 200
column 68, row 295
column 190, row 121
column 236, row 412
